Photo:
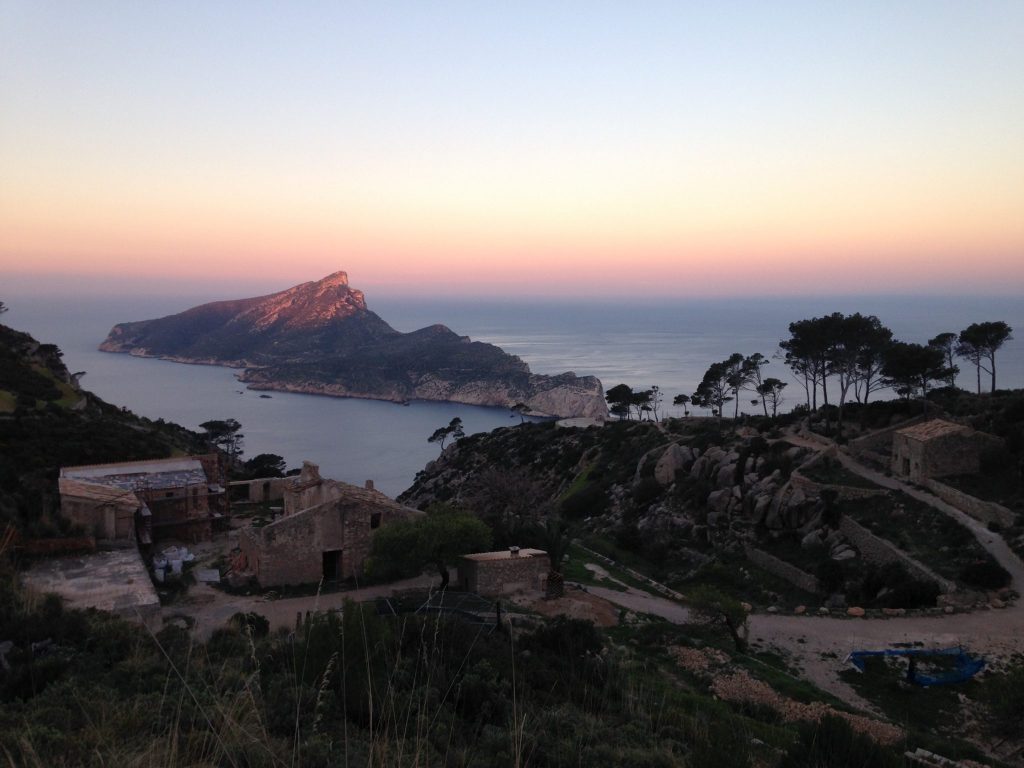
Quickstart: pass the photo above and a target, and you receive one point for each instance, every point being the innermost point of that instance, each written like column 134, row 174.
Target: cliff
column 320, row 338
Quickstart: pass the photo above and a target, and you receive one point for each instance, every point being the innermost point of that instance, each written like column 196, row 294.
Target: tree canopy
column 438, row 538
column 454, row 430
column 979, row 343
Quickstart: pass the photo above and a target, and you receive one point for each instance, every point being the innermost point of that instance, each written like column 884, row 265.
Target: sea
column 640, row 343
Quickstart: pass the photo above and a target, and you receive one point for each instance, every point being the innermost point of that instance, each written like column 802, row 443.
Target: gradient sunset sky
column 556, row 148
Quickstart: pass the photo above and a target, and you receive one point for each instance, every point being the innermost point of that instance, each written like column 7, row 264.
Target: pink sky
column 692, row 151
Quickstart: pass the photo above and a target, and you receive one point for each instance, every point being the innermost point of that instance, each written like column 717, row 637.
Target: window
column 375, row 520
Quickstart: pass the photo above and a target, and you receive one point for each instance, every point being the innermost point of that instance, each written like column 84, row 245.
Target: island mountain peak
column 309, row 305
column 319, row 337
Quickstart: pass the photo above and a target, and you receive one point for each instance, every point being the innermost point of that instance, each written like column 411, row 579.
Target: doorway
column 332, row 565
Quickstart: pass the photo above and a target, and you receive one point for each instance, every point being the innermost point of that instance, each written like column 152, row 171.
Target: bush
column 588, row 501
column 833, row 743
column 255, row 623
column 985, row 574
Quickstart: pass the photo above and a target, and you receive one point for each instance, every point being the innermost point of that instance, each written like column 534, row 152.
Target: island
column 320, row 338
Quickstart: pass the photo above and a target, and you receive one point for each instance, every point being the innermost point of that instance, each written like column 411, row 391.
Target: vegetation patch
column 927, row 535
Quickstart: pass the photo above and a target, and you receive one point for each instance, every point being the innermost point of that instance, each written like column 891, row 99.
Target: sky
column 558, row 149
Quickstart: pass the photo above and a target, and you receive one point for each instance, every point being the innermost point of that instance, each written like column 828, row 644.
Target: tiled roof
column 931, row 429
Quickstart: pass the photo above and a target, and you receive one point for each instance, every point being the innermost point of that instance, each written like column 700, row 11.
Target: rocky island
column 320, row 338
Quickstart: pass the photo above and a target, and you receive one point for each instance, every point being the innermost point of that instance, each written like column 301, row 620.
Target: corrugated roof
column 932, row 429
column 148, row 466
column 504, row 555
column 141, row 475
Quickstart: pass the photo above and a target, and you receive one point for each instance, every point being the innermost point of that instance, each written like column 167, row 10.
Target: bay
column 669, row 344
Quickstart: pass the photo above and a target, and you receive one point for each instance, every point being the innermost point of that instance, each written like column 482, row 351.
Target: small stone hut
column 501, row 573
column 938, row 448
column 324, row 533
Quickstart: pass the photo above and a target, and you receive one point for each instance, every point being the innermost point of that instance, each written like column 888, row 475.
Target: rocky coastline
column 319, row 338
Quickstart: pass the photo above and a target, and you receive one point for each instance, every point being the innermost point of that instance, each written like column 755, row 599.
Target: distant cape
column 320, row 338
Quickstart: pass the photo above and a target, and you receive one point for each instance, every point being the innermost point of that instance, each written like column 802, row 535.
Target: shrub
column 589, row 500
column 985, row 574
column 833, row 743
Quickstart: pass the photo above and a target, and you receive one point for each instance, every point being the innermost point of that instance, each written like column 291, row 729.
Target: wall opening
column 375, row 520
column 332, row 565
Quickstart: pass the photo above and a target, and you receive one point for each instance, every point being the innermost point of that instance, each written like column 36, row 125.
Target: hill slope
column 47, row 421
column 320, row 338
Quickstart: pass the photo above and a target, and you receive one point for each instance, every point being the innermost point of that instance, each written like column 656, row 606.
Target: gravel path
column 211, row 608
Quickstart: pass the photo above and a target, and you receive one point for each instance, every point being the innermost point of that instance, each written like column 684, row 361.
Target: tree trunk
column 992, row 360
column 443, row 570
column 977, row 367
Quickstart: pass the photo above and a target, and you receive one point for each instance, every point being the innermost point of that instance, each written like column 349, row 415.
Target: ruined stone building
column 178, row 498
column 939, row 448
column 324, row 532
column 501, row 573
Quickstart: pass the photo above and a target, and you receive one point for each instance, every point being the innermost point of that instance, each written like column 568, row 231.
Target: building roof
column 504, row 554
column 142, row 475
column 932, row 429
column 105, row 494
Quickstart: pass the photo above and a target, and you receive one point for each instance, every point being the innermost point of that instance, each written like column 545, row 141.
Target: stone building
column 324, row 533
column 157, row 498
column 501, row 573
column 938, row 448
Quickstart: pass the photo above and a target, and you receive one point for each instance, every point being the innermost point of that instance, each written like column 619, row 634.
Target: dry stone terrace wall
column 878, row 551
column 782, row 569
column 985, row 511
column 843, row 492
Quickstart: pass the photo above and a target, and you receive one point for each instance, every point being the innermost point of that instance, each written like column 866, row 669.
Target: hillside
column 321, row 338
column 773, row 518
column 47, row 421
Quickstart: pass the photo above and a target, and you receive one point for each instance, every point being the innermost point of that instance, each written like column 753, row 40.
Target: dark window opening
column 169, row 494
column 375, row 520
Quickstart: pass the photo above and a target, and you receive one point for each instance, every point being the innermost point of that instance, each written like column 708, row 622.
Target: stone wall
column 296, row 549
column 261, row 490
column 813, row 489
column 878, row 551
column 985, row 511
column 504, row 576
column 114, row 520
column 786, row 571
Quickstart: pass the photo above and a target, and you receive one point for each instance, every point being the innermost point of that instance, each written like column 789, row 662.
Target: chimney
column 369, row 485
column 513, row 551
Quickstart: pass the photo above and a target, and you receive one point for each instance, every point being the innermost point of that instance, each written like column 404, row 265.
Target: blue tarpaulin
column 964, row 666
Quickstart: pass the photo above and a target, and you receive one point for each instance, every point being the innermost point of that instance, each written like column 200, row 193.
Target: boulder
column 761, row 507
column 725, row 475
column 697, row 470
column 800, row 610
column 856, row 612
column 811, row 541
column 672, row 460
column 843, row 553
column 718, row 501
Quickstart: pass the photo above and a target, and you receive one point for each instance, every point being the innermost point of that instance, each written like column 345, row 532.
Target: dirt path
column 211, row 608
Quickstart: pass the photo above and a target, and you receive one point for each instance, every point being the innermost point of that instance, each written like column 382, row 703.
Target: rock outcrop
column 320, row 338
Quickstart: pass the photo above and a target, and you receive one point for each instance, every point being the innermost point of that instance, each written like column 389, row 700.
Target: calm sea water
column 641, row 344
